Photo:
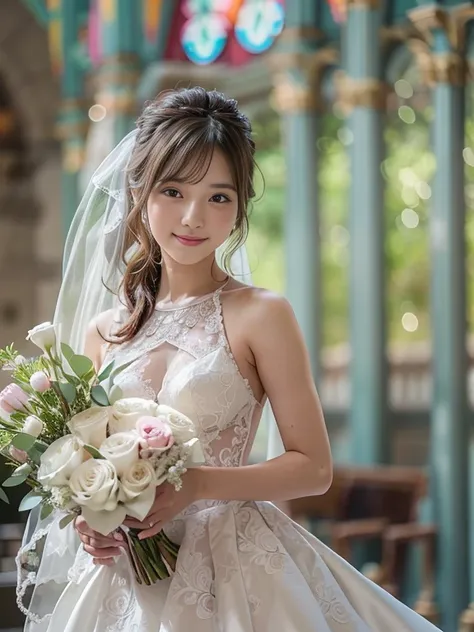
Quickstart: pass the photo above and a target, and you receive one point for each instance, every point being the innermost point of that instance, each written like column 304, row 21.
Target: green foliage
column 23, row 441
column 31, row 500
column 408, row 170
column 94, row 452
column 99, row 396
column 19, row 476
column 66, row 520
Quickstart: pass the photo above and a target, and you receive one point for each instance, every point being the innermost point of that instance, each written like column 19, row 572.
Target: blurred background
column 363, row 112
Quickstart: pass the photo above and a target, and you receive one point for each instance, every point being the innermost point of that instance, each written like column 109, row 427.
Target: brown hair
column 177, row 134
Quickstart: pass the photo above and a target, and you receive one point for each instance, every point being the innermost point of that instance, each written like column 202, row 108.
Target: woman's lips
column 189, row 241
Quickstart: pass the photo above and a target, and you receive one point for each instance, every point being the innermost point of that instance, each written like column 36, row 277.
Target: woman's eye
column 174, row 193
column 220, row 198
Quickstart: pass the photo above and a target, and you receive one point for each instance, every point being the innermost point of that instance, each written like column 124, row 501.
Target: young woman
column 193, row 336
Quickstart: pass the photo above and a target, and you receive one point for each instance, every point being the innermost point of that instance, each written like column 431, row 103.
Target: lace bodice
column 182, row 358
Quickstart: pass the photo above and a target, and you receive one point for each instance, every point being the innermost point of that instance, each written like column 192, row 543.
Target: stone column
column 121, row 29
column 362, row 94
column 66, row 18
column 298, row 64
column 444, row 67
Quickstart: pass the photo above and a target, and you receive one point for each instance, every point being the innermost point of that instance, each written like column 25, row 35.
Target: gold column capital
column 297, row 79
column 448, row 67
column 71, row 130
column 117, row 79
column 73, row 158
column 363, row 4
column 352, row 93
column 453, row 22
column 466, row 620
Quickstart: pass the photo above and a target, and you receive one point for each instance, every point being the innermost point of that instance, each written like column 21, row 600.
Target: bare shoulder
column 101, row 324
column 260, row 307
column 97, row 332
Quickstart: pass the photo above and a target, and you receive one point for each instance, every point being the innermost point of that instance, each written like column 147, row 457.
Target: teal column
column 65, row 21
column 467, row 618
column 121, row 28
column 450, row 424
column 297, row 61
column 363, row 97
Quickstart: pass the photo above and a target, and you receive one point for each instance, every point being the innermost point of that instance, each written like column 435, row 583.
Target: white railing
column 410, row 377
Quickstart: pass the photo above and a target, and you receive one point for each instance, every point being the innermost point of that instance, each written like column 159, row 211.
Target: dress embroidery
column 242, row 566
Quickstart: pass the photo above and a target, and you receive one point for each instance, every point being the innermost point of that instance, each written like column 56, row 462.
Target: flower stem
column 147, row 558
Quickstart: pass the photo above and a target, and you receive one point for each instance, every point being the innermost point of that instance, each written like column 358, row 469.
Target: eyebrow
column 223, row 185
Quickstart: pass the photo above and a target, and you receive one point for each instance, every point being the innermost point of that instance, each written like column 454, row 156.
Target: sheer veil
column 92, row 273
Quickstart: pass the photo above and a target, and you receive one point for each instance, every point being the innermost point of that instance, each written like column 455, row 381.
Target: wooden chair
column 376, row 503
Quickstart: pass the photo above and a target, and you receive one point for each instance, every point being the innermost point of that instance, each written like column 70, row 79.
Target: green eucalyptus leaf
column 68, row 353
column 68, row 391
column 94, row 452
column 35, row 455
column 115, row 394
column 31, row 500
column 66, row 520
column 99, row 396
column 104, row 374
column 90, row 375
column 4, row 497
column 23, row 441
column 46, row 510
column 72, row 379
column 19, row 476
column 41, row 447
column 80, row 364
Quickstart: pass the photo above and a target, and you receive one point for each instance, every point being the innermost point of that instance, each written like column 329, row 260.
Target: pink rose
column 18, row 455
column 13, row 398
column 155, row 432
column 39, row 382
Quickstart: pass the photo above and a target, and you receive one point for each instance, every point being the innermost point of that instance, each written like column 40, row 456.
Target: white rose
column 43, row 336
column 95, row 488
column 60, row 460
column 121, row 449
column 91, row 425
column 138, row 486
column 33, row 426
column 126, row 412
column 182, row 427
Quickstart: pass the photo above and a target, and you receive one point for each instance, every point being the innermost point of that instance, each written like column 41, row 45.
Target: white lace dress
column 242, row 566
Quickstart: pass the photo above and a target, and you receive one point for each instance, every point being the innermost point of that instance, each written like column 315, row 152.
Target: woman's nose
column 193, row 216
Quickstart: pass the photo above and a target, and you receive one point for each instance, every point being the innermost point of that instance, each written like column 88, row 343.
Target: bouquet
column 69, row 434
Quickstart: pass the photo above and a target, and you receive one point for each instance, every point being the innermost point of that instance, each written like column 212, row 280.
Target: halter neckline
column 194, row 301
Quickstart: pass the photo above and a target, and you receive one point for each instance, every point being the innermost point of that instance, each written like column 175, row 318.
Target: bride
column 163, row 226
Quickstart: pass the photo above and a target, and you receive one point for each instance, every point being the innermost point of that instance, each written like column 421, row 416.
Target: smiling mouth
column 189, row 241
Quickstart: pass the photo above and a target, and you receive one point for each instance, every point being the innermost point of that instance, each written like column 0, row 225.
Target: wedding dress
column 242, row 566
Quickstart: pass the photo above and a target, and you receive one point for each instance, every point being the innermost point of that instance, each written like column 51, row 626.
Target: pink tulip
column 18, row 455
column 13, row 398
column 39, row 382
column 155, row 432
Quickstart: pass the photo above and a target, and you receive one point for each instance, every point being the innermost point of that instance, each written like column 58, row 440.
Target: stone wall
column 30, row 226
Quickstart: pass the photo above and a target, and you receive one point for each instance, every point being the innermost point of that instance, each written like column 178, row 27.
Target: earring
column 160, row 261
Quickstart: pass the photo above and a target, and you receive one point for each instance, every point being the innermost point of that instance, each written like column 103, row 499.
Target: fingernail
column 118, row 536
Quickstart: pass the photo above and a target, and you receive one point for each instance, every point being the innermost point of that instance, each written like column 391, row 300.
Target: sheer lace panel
column 182, row 358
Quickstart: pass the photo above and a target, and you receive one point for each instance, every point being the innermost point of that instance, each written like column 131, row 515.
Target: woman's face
column 190, row 221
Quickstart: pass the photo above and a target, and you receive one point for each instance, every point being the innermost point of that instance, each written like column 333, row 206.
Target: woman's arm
column 284, row 369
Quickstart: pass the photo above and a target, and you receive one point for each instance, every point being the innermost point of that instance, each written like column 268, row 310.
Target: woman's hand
column 102, row 548
column 168, row 504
